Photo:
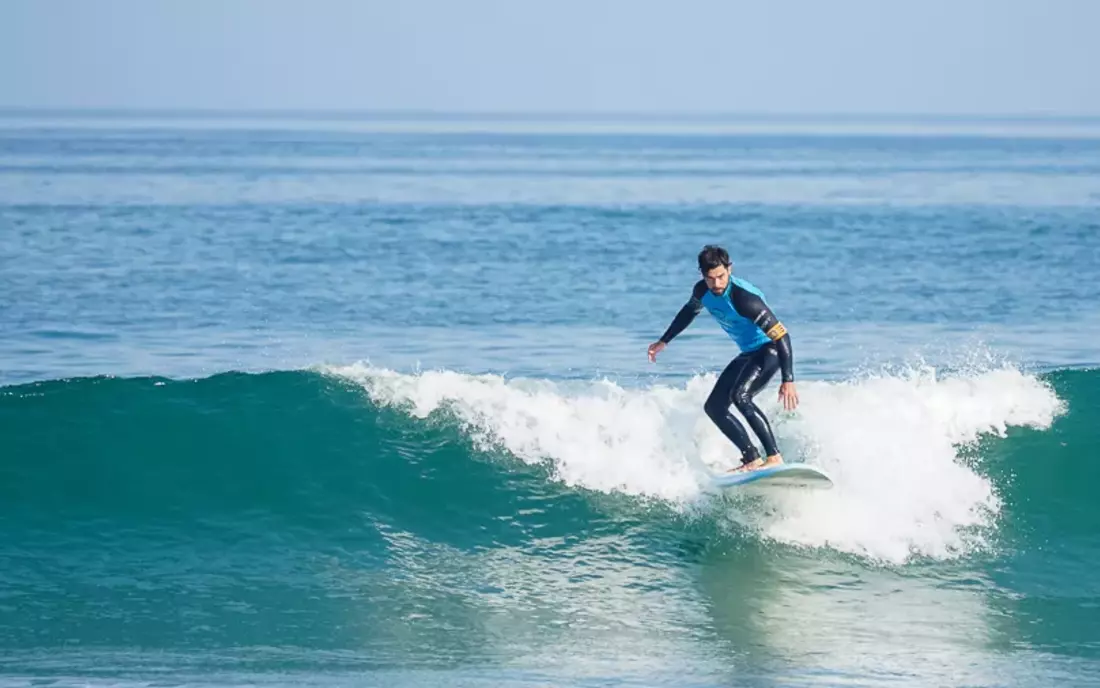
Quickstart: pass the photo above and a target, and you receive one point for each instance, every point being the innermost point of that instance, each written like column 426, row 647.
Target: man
column 741, row 311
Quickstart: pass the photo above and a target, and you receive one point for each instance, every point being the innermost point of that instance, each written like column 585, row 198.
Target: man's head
column 714, row 263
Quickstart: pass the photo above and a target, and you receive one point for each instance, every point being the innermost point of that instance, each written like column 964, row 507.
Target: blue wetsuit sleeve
column 749, row 305
column 687, row 313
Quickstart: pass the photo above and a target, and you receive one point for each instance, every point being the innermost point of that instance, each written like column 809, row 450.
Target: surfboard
column 783, row 475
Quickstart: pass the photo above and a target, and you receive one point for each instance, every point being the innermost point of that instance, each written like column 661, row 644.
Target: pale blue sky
column 698, row 56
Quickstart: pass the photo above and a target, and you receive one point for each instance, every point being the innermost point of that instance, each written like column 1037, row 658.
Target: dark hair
column 711, row 257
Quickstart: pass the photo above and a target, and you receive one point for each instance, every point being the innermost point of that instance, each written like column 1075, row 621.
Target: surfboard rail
column 783, row 475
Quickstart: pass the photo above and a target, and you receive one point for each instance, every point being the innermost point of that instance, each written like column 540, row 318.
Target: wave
column 924, row 461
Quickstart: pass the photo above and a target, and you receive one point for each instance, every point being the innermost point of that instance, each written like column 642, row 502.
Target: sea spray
column 892, row 443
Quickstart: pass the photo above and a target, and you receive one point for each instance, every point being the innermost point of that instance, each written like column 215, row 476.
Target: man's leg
column 765, row 363
column 718, row 403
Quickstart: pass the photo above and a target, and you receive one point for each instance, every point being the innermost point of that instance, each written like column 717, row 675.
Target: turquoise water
column 358, row 401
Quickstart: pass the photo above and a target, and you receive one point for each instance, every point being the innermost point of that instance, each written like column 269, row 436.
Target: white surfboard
column 783, row 475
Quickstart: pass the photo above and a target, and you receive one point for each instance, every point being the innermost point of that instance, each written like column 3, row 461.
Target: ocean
column 298, row 399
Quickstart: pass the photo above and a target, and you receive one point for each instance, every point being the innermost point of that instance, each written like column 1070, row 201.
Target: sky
column 974, row 57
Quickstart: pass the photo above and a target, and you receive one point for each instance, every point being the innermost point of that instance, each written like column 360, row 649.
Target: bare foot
column 771, row 462
column 746, row 467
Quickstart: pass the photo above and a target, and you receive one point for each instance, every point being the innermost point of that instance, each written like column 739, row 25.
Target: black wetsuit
column 766, row 347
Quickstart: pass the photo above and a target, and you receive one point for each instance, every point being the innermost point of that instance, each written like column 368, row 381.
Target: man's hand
column 788, row 395
column 656, row 348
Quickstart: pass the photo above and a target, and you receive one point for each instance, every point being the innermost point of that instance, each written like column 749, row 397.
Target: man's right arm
column 687, row 313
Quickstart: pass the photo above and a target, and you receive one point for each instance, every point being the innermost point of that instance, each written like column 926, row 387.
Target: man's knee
column 715, row 406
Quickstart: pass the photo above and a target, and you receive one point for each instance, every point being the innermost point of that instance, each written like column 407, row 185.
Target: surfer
column 741, row 311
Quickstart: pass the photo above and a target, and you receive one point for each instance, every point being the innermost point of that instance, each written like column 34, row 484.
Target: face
column 717, row 279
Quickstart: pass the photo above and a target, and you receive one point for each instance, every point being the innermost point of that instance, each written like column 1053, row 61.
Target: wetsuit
column 765, row 347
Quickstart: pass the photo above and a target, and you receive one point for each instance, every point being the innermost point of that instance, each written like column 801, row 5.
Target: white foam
column 891, row 443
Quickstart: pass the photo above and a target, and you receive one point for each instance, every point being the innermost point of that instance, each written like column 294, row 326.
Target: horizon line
column 428, row 114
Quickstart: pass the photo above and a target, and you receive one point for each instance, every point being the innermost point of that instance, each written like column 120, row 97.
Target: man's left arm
column 751, row 306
